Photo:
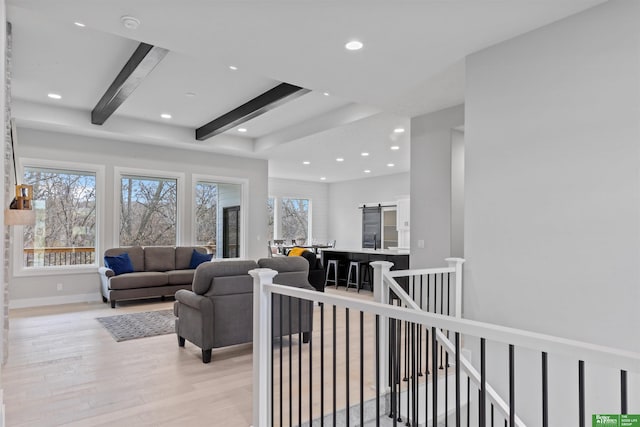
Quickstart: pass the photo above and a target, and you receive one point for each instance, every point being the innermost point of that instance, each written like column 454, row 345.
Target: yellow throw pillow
column 296, row 251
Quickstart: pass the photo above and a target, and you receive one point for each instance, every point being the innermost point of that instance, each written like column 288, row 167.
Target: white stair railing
column 624, row 361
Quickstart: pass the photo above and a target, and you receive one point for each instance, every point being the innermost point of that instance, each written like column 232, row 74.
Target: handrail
column 607, row 356
column 66, row 249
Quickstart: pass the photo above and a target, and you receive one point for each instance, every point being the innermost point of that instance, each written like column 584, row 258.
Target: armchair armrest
column 193, row 300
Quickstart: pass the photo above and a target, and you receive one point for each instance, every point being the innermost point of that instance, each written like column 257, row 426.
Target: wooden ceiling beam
column 269, row 100
column 142, row 62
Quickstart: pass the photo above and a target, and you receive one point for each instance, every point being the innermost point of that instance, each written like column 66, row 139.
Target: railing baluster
column 334, row 366
column 299, row 362
column 398, row 367
column 492, row 415
column 322, row 365
column 623, row 392
column 441, row 308
column 377, row 370
column 273, row 350
column 483, row 383
column 469, row 401
column 346, row 315
column 362, row 368
column 434, row 381
column 581, row 415
column 512, row 386
column 414, row 373
column 458, row 421
column 281, row 359
column 290, row 370
column 310, row 368
column 545, row 391
column 446, row 388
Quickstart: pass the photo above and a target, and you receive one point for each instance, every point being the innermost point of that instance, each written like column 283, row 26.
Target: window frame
column 244, row 207
column 19, row 270
column 119, row 172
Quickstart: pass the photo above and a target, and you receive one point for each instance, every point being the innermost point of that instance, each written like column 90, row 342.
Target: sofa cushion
column 180, row 277
column 136, row 255
column 120, row 264
column 231, row 285
column 183, row 255
column 284, row 264
column 159, row 258
column 197, row 258
column 142, row 279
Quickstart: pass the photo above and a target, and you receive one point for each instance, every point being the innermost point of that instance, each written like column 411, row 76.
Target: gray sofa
column 218, row 312
column 159, row 271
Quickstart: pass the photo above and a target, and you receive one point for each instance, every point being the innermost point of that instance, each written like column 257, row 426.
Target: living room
column 546, row 104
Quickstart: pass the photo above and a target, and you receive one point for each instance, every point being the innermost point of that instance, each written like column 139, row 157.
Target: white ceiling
column 412, row 63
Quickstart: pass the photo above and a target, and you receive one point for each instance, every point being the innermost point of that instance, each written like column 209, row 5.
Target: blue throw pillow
column 197, row 258
column 120, row 264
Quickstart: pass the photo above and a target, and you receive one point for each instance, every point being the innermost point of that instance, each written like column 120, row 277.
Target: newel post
column 381, row 295
column 456, row 264
column 261, row 345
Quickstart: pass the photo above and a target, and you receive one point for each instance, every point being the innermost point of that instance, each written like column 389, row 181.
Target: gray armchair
column 218, row 312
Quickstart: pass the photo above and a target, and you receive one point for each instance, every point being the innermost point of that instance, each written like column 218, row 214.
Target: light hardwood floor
column 64, row 368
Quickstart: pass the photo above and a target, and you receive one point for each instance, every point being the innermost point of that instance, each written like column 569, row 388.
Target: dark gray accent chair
column 218, row 311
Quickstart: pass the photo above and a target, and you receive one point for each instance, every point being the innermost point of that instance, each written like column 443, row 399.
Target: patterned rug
column 125, row 327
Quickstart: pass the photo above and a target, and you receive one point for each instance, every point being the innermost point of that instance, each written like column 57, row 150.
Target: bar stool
column 353, row 275
column 332, row 263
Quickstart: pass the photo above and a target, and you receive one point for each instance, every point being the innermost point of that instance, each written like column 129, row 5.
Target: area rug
column 131, row 326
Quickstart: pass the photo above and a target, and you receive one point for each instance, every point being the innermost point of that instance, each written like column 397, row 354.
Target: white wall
column 431, row 136
column 552, row 209
column 39, row 144
column 317, row 192
column 345, row 219
column 457, row 194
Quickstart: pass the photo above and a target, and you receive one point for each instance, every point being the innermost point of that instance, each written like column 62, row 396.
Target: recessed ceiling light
column 190, row 94
column 367, row 171
column 323, row 178
column 165, row 115
column 354, row 45
column 54, row 96
column 399, row 130
column 390, row 165
column 79, row 24
column 326, row 93
column 395, row 147
column 243, row 130
column 339, row 159
column 306, row 162
column 364, row 154
column 233, row 67
column 130, row 22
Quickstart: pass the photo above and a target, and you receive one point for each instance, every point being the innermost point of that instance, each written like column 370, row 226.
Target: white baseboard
column 64, row 299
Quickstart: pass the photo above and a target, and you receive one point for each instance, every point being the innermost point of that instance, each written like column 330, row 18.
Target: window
column 148, row 211
column 270, row 213
column 212, row 199
column 206, row 212
column 294, row 219
column 65, row 230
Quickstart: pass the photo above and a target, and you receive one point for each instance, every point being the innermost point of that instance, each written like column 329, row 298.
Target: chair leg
column 113, row 303
column 305, row 337
column 180, row 341
column 206, row 356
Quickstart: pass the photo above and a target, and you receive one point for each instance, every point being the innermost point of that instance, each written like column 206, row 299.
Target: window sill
column 54, row 271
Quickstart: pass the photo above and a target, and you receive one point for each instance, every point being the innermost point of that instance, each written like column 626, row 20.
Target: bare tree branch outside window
column 148, row 214
column 270, row 214
column 65, row 229
column 294, row 219
column 206, row 213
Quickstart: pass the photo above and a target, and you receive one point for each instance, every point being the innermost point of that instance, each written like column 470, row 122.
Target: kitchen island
column 399, row 258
